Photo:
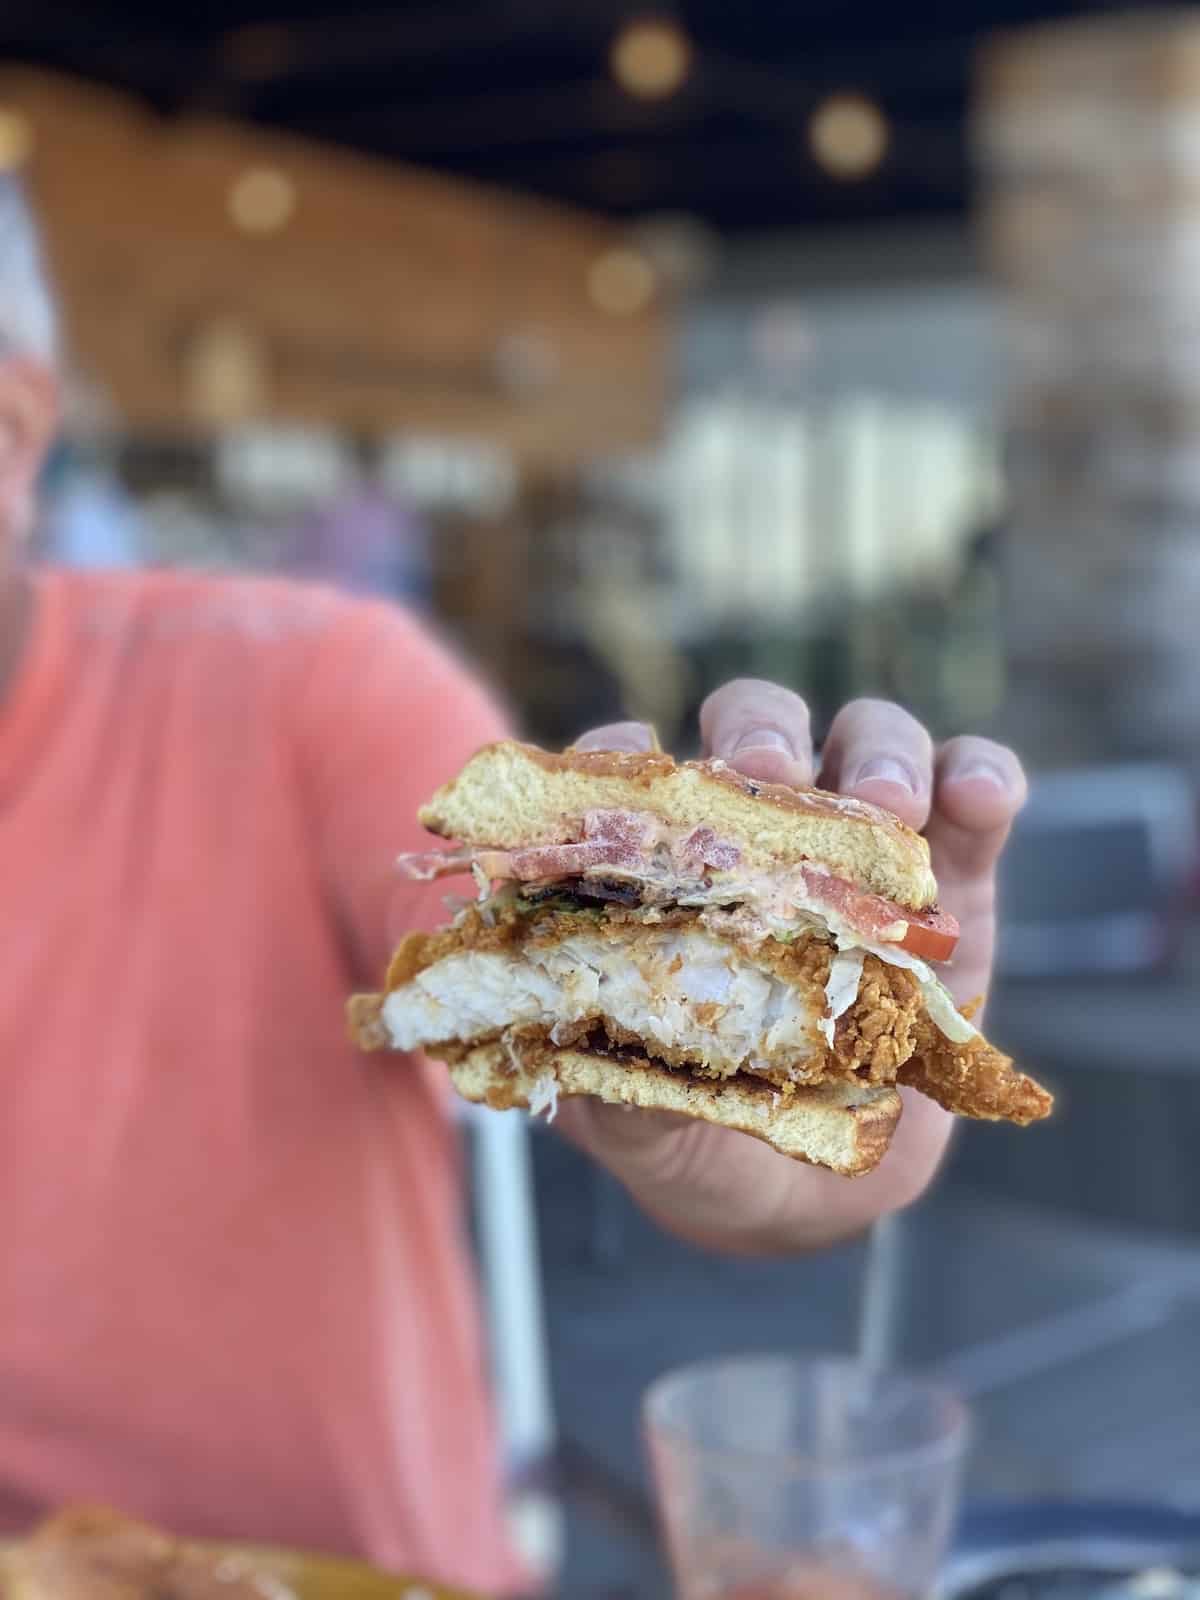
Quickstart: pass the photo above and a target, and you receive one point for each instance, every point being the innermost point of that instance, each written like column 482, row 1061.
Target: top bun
column 511, row 794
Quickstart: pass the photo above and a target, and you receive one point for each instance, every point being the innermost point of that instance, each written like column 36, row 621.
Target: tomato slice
column 932, row 935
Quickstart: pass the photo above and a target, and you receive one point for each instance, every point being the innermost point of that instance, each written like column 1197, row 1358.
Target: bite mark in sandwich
column 678, row 936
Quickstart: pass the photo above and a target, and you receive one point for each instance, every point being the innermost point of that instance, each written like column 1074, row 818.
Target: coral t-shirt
column 235, row 1290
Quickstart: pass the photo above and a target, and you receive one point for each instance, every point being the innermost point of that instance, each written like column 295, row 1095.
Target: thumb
column 635, row 1145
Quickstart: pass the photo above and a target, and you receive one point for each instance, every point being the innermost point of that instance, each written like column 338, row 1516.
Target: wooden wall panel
column 386, row 302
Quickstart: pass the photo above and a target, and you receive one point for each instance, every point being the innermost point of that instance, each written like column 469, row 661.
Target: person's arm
column 718, row 1188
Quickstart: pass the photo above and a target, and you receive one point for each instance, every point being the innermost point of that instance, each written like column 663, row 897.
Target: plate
column 1048, row 1551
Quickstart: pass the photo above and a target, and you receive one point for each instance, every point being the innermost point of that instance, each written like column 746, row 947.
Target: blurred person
column 88, row 519
column 234, row 1290
column 366, row 541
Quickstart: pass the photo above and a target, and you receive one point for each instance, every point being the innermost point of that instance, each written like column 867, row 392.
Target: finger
column 761, row 729
column 628, row 1128
column 877, row 751
column 979, row 787
column 619, row 736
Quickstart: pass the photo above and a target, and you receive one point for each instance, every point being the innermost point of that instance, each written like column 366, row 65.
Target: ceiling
column 518, row 92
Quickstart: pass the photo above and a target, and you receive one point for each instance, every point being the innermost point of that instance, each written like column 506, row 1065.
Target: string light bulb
column 849, row 136
column 651, row 58
column 262, row 200
column 225, row 372
column 621, row 282
column 16, row 139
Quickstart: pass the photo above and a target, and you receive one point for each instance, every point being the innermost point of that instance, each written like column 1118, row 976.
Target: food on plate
column 83, row 1553
column 92, row 1553
column 679, row 937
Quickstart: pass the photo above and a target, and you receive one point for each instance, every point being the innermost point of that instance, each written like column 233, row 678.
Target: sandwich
column 678, row 937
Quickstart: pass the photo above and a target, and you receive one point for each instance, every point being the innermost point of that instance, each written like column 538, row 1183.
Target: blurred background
column 852, row 345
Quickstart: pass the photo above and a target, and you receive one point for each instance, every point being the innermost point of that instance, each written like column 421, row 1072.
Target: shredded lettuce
column 841, row 988
column 543, row 1097
column 940, row 1004
column 559, row 902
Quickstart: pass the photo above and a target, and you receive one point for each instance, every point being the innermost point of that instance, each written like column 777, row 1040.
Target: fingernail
column 983, row 772
column 631, row 736
column 763, row 739
column 886, row 769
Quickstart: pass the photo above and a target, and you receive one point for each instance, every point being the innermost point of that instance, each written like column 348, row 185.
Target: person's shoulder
column 155, row 604
column 389, row 655
column 303, row 644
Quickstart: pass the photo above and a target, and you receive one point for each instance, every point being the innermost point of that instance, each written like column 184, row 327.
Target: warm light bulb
column 16, row 139
column 651, row 58
column 262, row 200
column 225, row 372
column 849, row 135
column 621, row 282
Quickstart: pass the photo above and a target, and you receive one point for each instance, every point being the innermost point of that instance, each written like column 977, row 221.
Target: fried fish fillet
column 693, row 998
column 973, row 1080
column 682, row 992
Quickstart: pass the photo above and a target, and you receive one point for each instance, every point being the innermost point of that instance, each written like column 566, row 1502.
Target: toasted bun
column 844, row 1126
column 513, row 794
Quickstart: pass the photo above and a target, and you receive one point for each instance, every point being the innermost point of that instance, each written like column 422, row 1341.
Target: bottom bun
column 844, row 1126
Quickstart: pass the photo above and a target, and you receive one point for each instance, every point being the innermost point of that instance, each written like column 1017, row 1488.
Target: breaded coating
column 973, row 1080
column 877, row 1035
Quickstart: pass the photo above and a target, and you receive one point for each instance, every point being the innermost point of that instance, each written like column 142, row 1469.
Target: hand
column 716, row 1187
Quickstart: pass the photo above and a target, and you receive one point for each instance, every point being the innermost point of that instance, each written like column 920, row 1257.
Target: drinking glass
column 804, row 1478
